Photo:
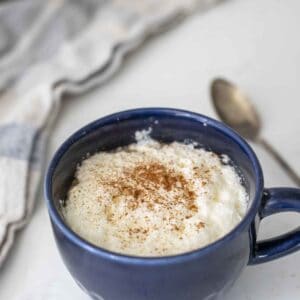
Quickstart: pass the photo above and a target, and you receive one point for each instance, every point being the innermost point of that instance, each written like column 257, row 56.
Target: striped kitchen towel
column 48, row 48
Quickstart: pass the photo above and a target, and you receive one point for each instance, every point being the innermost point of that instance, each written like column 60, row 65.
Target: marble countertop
column 253, row 42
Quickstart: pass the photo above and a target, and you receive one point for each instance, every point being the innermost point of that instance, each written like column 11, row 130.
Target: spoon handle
column 283, row 163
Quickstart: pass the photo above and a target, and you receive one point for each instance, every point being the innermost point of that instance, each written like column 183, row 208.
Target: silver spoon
column 236, row 110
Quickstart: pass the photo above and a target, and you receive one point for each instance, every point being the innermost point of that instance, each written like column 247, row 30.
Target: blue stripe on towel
column 16, row 140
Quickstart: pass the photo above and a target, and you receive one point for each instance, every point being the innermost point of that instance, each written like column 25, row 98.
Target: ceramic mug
column 205, row 273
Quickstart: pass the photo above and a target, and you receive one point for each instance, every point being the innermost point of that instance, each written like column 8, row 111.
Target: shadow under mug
column 205, row 273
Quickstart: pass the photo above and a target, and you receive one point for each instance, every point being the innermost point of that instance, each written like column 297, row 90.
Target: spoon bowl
column 236, row 110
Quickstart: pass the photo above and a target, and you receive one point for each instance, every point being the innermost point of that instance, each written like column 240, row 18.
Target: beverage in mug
column 155, row 199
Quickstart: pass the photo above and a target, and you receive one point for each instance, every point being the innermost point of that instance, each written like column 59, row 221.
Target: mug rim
column 155, row 260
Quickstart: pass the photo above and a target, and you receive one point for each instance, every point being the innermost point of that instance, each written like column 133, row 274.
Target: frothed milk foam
column 153, row 199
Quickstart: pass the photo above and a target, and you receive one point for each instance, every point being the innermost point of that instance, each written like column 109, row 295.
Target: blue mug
column 206, row 273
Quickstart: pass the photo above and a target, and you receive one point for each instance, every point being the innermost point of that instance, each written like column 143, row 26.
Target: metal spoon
column 236, row 110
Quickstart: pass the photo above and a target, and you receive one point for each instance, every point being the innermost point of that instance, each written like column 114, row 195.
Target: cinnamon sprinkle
column 143, row 183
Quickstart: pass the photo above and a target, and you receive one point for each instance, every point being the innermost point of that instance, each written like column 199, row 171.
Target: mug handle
column 276, row 200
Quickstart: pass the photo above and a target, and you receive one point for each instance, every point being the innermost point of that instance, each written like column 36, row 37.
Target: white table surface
column 253, row 42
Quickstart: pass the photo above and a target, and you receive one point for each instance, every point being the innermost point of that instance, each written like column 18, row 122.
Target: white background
column 253, row 42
